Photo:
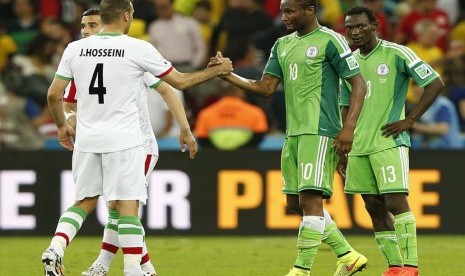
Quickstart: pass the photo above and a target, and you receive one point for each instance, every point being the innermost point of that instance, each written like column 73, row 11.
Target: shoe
column 393, row 271
column 350, row 264
column 96, row 269
column 148, row 272
column 298, row 272
column 409, row 271
column 52, row 262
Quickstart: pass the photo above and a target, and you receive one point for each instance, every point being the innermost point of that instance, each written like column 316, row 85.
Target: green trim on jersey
column 63, row 77
column 108, row 34
column 155, row 85
column 311, row 66
column 387, row 69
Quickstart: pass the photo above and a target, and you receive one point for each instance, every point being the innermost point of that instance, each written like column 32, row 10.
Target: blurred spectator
column 6, row 10
column 138, row 30
column 451, row 7
column 145, row 10
column 7, row 46
column 330, row 12
column 240, row 22
column 272, row 7
column 32, row 73
column 19, row 120
column 50, row 8
column 231, row 123
column 177, row 37
column 423, row 10
column 202, row 13
column 457, row 34
column 59, row 31
column 163, row 123
column 453, row 76
column 187, row 7
column 25, row 26
column 438, row 128
column 428, row 33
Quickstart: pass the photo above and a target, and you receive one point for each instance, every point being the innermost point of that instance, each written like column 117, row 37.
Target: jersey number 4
column 99, row 90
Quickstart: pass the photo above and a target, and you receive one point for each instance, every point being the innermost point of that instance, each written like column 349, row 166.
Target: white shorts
column 115, row 175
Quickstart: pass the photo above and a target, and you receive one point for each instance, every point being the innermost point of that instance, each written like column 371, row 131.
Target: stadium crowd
column 34, row 33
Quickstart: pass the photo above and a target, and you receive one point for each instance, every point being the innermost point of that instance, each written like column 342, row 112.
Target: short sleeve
column 151, row 81
column 341, row 58
column 273, row 67
column 421, row 72
column 152, row 61
column 64, row 68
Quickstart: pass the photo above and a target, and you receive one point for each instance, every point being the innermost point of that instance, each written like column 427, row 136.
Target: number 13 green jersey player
column 310, row 61
column 378, row 163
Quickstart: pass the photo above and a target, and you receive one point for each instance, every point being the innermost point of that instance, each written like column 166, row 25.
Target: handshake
column 222, row 64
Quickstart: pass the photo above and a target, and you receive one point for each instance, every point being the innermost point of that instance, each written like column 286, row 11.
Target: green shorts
column 308, row 162
column 378, row 173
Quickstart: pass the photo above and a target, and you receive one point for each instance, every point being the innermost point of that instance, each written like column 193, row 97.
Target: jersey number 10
column 99, row 90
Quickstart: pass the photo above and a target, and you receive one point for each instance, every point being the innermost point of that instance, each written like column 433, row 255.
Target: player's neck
column 308, row 29
column 112, row 29
column 369, row 46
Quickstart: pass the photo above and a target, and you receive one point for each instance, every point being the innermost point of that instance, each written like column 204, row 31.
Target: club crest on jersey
column 382, row 69
column 312, row 51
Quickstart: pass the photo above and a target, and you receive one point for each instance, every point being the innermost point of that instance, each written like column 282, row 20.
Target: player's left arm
column 430, row 94
column 177, row 110
column 55, row 102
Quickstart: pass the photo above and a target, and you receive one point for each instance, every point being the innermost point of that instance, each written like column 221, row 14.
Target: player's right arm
column 55, row 103
column 264, row 87
column 182, row 81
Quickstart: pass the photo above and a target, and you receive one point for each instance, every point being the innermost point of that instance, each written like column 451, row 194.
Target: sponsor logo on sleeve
column 423, row 71
column 352, row 63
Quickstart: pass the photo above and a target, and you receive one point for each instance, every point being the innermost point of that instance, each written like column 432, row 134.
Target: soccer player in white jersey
column 90, row 25
column 108, row 70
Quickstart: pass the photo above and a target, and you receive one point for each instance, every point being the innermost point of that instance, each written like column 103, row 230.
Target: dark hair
column 304, row 4
column 361, row 10
column 111, row 10
column 204, row 4
column 38, row 45
column 92, row 11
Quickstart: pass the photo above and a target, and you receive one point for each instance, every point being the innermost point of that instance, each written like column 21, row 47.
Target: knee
column 375, row 206
column 87, row 204
column 397, row 203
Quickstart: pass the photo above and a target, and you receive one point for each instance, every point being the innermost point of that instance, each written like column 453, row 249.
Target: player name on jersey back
column 102, row 53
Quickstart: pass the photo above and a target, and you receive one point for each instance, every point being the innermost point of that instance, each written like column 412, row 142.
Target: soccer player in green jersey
column 378, row 163
column 310, row 61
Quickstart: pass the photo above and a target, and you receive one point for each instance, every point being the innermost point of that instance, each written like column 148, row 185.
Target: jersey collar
column 372, row 51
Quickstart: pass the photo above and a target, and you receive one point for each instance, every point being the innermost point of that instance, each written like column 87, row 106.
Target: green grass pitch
column 228, row 256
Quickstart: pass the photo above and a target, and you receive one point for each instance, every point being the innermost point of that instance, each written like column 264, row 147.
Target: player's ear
column 375, row 25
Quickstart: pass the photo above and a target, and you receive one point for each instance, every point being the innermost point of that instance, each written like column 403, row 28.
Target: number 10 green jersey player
column 310, row 61
column 378, row 163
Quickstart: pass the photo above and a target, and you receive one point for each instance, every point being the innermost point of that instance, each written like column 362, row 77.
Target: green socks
column 334, row 238
column 307, row 244
column 405, row 226
column 387, row 243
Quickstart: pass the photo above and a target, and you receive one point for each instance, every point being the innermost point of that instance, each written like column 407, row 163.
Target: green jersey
column 311, row 66
column 387, row 70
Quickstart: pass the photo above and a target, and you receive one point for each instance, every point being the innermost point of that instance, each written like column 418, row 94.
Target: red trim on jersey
column 166, row 72
column 110, row 247
column 71, row 98
column 148, row 160
column 132, row 250
column 64, row 236
column 145, row 259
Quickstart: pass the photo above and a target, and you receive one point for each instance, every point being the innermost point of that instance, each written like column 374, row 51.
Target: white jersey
column 149, row 140
column 108, row 72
